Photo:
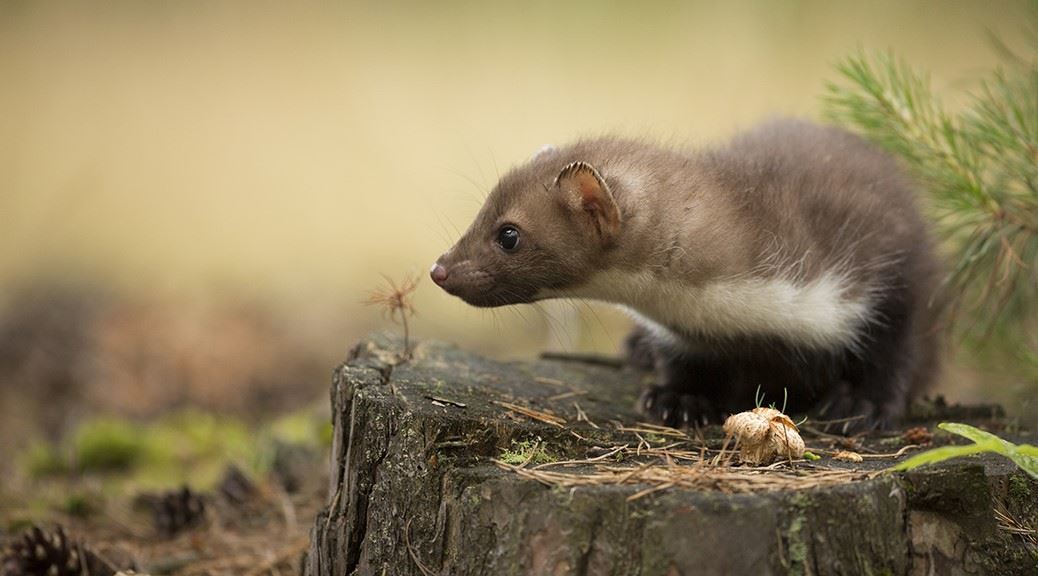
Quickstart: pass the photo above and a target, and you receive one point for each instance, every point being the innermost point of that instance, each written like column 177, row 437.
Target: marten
column 793, row 261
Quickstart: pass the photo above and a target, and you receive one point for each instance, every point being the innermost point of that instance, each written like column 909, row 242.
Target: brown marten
column 793, row 258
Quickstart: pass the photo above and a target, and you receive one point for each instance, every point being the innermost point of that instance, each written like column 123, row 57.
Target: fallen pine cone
column 763, row 434
column 175, row 511
column 237, row 488
column 41, row 553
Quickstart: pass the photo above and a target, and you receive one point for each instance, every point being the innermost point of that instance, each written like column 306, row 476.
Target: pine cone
column 237, row 488
column 38, row 553
column 294, row 465
column 175, row 511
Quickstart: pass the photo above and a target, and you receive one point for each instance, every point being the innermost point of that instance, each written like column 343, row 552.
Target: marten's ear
column 583, row 188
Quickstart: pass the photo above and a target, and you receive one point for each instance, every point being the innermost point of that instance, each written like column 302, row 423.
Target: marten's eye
column 508, row 238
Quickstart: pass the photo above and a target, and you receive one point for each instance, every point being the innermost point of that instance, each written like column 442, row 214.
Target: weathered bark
column 413, row 490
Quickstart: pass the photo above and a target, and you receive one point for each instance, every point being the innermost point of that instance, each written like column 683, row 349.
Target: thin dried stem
column 397, row 305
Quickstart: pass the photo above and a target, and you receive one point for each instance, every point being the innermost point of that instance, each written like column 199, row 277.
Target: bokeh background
column 195, row 198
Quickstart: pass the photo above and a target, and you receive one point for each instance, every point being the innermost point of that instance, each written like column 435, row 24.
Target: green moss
column 107, row 445
column 202, row 435
column 194, row 447
column 527, row 451
column 42, row 460
column 796, row 545
column 1020, row 488
column 326, row 434
column 796, row 538
column 80, row 505
column 303, row 429
column 186, row 447
column 20, row 524
column 800, row 500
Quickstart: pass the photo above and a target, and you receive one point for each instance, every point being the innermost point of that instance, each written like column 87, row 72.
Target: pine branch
column 980, row 166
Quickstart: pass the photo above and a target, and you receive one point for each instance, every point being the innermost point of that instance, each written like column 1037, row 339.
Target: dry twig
column 396, row 303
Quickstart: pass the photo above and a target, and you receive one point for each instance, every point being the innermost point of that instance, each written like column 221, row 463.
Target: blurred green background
column 196, row 197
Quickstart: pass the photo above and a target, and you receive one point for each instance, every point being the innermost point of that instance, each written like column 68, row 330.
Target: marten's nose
column 438, row 274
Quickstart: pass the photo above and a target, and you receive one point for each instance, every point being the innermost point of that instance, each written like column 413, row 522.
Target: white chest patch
column 817, row 313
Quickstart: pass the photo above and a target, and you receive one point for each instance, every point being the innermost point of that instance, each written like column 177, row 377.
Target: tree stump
column 418, row 486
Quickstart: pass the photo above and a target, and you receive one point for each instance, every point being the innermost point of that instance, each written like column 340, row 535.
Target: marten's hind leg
column 875, row 380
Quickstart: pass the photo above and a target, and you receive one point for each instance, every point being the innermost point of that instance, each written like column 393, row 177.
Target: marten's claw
column 676, row 409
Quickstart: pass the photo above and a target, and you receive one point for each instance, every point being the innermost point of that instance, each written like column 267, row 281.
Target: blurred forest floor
column 110, row 407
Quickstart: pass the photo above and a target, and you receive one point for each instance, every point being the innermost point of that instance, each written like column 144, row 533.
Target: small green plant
column 1024, row 455
column 527, row 452
column 758, row 400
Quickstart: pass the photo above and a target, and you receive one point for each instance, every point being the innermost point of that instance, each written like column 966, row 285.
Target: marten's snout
column 467, row 280
column 438, row 273
column 456, row 278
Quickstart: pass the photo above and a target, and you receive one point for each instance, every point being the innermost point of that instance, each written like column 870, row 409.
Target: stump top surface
column 592, row 402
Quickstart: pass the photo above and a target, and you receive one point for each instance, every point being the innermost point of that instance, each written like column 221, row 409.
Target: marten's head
column 544, row 228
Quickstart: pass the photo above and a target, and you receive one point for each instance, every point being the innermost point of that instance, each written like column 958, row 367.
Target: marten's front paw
column 677, row 409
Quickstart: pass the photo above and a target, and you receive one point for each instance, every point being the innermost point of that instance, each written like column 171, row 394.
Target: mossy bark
column 413, row 490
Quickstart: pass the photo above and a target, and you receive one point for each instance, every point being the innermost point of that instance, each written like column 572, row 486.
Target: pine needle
column 538, row 415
